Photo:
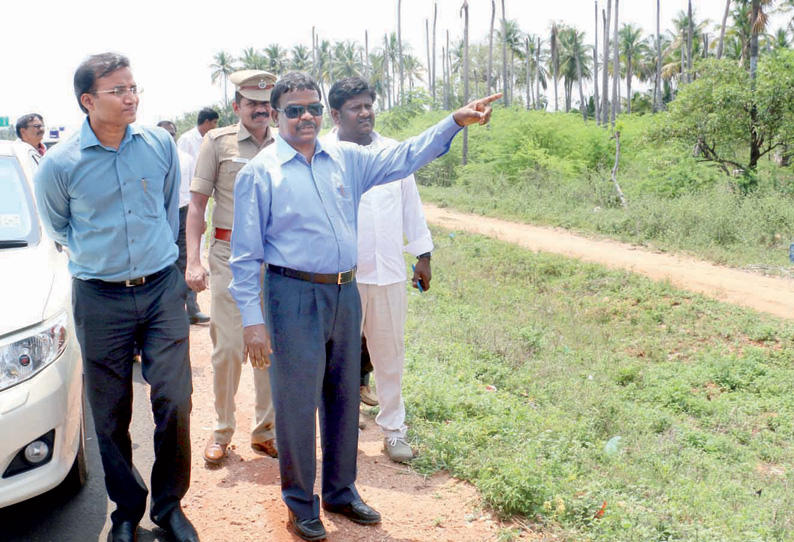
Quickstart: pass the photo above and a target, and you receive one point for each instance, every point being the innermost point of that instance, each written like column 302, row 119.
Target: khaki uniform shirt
column 223, row 154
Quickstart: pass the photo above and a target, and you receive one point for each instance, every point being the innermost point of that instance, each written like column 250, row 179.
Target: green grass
column 552, row 169
column 521, row 367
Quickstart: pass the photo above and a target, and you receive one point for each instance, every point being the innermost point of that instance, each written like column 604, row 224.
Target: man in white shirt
column 386, row 213
column 190, row 141
column 187, row 165
column 30, row 130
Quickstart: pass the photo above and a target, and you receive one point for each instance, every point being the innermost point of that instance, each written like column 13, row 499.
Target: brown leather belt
column 131, row 282
column 223, row 234
column 319, row 278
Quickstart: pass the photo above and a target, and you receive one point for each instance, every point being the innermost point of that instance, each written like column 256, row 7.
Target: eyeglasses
column 120, row 92
column 36, row 126
column 295, row 111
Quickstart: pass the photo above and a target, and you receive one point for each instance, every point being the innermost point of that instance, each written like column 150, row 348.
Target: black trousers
column 110, row 320
column 181, row 261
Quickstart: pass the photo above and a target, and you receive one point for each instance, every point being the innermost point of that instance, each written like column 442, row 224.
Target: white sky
column 172, row 42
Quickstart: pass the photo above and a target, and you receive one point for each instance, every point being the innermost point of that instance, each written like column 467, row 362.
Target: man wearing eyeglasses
column 110, row 194
column 296, row 212
column 30, row 130
column 223, row 154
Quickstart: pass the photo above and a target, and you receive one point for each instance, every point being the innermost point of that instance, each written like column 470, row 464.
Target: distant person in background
column 190, row 141
column 223, row 154
column 186, row 166
column 110, row 194
column 30, row 130
column 386, row 214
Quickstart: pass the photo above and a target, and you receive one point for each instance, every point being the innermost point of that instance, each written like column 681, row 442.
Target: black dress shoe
column 308, row 529
column 355, row 511
column 199, row 318
column 178, row 526
column 124, row 531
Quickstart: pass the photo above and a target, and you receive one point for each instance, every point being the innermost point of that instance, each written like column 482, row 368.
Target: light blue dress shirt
column 304, row 216
column 117, row 211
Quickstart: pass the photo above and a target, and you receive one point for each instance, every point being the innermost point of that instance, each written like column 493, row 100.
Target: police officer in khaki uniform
column 223, row 153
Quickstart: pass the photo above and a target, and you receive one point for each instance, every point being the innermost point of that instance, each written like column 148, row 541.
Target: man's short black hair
column 24, row 120
column 206, row 114
column 164, row 123
column 95, row 67
column 346, row 88
column 291, row 82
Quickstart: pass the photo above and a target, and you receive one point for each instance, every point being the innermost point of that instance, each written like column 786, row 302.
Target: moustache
column 303, row 125
column 263, row 114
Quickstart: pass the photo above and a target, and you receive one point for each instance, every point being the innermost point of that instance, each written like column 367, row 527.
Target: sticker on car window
column 10, row 221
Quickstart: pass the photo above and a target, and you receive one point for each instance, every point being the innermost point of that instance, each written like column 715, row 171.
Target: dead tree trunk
column 622, row 197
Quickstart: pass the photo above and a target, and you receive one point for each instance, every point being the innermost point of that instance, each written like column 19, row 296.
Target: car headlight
column 25, row 353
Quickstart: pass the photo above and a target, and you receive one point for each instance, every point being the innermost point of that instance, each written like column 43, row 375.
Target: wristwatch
column 425, row 255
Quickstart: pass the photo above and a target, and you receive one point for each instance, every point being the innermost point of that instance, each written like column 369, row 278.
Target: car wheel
column 78, row 475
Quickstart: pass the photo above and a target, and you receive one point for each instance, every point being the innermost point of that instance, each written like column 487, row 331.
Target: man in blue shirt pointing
column 296, row 211
column 110, row 194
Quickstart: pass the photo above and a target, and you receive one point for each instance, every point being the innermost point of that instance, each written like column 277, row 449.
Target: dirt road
column 766, row 294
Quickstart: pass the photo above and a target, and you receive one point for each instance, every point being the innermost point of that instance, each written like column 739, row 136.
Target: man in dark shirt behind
column 110, row 194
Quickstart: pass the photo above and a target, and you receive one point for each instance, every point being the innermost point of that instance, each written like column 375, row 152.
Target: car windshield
column 18, row 224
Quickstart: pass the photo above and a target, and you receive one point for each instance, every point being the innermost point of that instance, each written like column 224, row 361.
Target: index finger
column 489, row 99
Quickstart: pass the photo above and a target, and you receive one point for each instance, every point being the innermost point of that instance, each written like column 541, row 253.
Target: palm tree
column 400, row 50
column 511, row 34
column 275, row 58
column 573, row 59
column 300, row 59
column 633, row 50
column 413, row 70
column 490, row 46
column 252, row 60
column 554, row 44
column 504, row 55
column 464, row 10
column 222, row 66
column 346, row 60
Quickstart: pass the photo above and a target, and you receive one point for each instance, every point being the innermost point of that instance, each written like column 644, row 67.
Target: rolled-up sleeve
column 251, row 214
column 206, row 172
column 52, row 199
column 399, row 161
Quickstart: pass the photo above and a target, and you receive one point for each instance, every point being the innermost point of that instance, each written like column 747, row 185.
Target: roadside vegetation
column 598, row 404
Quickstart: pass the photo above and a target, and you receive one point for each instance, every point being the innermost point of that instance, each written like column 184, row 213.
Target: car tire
column 78, row 475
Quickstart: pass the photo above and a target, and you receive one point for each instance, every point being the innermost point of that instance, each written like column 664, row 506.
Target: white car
column 42, row 420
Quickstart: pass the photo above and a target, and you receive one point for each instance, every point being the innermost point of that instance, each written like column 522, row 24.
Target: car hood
column 28, row 277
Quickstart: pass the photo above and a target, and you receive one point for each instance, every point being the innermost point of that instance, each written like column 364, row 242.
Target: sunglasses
column 296, row 111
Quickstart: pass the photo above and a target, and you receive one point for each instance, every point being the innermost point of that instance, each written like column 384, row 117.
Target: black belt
column 320, row 278
column 131, row 282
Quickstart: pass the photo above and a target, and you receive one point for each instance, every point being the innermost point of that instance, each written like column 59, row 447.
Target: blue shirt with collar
column 117, row 211
column 303, row 216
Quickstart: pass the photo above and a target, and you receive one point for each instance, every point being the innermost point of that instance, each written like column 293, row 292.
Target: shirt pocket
column 152, row 198
column 227, row 172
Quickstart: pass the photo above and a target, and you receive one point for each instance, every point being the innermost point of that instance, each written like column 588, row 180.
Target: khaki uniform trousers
column 383, row 312
column 226, row 331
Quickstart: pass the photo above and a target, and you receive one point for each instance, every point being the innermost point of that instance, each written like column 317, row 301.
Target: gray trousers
column 315, row 331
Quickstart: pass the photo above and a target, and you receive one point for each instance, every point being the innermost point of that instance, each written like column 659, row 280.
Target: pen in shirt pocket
column 341, row 189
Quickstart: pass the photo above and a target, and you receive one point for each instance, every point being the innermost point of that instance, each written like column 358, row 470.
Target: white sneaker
column 398, row 449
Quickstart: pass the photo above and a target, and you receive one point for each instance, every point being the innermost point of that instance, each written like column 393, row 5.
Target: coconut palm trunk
column 721, row 46
column 657, row 92
column 505, row 86
column 582, row 104
column 616, row 68
column 490, row 46
column 605, row 81
column 433, row 72
column 596, row 96
column 400, row 51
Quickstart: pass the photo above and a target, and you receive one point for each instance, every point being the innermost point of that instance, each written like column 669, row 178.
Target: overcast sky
column 172, row 42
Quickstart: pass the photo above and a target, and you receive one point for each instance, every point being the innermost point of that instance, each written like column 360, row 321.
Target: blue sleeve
column 52, row 199
column 171, row 188
column 251, row 214
column 399, row 161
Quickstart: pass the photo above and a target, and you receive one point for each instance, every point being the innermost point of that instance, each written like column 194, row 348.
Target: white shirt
column 190, row 142
column 385, row 214
column 187, row 165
